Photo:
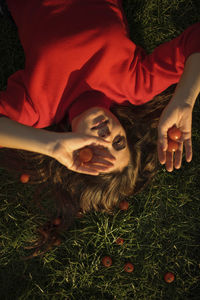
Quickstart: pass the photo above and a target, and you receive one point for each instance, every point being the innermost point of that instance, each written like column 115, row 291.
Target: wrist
column 188, row 88
column 47, row 142
column 183, row 100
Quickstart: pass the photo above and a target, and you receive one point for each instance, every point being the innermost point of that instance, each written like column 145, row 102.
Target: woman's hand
column 67, row 145
column 178, row 113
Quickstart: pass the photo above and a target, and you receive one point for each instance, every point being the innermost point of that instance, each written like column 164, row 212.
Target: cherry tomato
column 174, row 133
column 124, row 205
column 128, row 267
column 119, row 241
column 169, row 277
column 24, row 178
column 172, row 146
column 107, row 261
column 57, row 242
column 85, row 154
column 56, row 221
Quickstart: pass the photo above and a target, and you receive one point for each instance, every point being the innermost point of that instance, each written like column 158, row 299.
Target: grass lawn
column 161, row 228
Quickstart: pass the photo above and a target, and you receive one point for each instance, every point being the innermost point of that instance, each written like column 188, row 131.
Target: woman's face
column 102, row 123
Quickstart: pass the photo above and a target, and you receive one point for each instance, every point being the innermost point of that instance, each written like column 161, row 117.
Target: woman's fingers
column 97, row 163
column 100, row 151
column 90, row 169
column 100, row 156
column 188, row 150
column 86, row 171
column 162, row 144
column 174, row 158
column 98, row 160
column 178, row 156
column 96, row 141
column 161, row 153
column 93, row 167
column 169, row 161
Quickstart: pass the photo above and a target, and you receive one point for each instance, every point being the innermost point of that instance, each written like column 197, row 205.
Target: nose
column 104, row 132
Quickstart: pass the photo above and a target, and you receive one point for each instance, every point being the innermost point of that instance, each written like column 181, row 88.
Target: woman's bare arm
column 19, row 136
column 60, row 146
column 188, row 87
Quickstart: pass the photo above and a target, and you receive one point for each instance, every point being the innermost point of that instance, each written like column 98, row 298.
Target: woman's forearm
column 19, row 136
column 188, row 87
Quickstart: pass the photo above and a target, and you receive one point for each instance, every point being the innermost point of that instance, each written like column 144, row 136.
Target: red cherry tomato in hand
column 174, row 133
column 172, row 146
column 85, row 154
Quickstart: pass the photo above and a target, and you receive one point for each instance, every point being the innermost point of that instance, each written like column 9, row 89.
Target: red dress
column 81, row 50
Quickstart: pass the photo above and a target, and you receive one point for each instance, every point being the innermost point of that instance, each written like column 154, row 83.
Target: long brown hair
column 76, row 193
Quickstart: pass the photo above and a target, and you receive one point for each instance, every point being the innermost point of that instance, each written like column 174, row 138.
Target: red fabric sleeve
column 164, row 66
column 15, row 103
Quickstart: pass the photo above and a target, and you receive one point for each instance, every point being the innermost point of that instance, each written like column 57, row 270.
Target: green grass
column 161, row 228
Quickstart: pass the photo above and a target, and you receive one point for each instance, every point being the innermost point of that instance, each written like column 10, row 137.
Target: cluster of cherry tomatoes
column 174, row 134
column 129, row 267
column 107, row 261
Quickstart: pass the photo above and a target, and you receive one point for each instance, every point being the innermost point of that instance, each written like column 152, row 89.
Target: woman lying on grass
column 88, row 84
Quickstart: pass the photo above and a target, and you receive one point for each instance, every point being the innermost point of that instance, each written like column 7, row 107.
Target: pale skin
column 108, row 143
column 111, row 131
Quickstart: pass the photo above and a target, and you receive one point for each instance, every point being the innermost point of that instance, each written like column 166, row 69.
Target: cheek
column 116, row 126
column 83, row 128
column 79, row 126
